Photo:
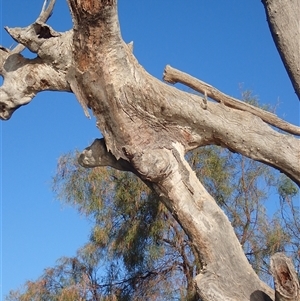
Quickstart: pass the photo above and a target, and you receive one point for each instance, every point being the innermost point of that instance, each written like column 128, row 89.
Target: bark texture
column 284, row 22
column 148, row 126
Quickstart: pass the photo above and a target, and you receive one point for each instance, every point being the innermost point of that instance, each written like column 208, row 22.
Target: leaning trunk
column 123, row 98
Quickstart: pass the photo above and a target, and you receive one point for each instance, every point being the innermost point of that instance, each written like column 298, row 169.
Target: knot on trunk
column 152, row 164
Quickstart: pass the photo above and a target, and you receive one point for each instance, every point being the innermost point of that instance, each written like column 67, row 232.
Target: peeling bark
column 148, row 126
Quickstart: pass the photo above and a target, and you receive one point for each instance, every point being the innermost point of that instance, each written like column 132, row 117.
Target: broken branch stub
column 45, row 14
column 287, row 286
column 96, row 155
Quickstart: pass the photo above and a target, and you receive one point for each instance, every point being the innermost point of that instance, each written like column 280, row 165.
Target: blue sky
column 225, row 43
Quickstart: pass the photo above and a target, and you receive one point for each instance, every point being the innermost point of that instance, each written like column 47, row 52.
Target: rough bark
column 148, row 126
column 284, row 22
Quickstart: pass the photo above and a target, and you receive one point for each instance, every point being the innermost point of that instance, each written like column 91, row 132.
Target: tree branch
column 284, row 24
column 173, row 76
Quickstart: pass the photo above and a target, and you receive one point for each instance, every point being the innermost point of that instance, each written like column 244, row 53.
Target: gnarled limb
column 24, row 78
column 287, row 286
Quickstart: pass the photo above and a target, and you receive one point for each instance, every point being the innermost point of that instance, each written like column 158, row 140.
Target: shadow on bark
column 259, row 296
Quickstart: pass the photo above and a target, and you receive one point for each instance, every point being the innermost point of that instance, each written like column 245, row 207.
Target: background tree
column 105, row 77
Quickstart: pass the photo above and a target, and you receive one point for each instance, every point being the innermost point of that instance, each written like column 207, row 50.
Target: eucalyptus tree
column 149, row 126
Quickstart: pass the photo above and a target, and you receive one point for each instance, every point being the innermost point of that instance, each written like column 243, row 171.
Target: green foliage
column 286, row 188
column 132, row 231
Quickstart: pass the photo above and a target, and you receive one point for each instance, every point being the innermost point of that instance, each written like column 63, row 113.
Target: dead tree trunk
column 148, row 126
